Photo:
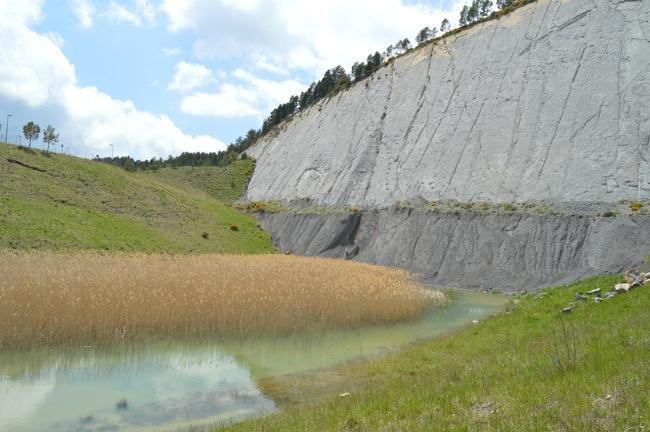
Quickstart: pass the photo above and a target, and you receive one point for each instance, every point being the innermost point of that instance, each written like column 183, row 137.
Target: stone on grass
column 622, row 288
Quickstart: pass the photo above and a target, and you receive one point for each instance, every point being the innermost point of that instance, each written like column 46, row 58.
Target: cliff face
column 551, row 102
column 508, row 252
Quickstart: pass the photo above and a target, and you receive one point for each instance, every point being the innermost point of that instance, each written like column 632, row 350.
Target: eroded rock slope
column 508, row 252
column 551, row 102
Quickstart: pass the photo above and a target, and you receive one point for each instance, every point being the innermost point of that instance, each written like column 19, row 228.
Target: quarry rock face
column 508, row 252
column 550, row 102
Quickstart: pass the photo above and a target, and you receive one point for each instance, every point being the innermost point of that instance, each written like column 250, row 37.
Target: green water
column 174, row 385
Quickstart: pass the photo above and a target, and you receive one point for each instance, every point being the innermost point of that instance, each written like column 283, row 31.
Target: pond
column 172, row 385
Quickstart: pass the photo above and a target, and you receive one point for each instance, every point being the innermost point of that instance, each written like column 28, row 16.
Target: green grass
column 500, row 375
column 226, row 184
column 80, row 204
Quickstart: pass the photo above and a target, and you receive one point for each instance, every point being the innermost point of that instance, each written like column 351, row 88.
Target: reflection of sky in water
column 182, row 392
column 171, row 385
column 20, row 400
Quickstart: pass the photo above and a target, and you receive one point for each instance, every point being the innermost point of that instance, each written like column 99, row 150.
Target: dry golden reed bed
column 50, row 298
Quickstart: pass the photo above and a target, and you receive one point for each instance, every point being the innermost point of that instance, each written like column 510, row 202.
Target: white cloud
column 249, row 96
column 27, row 12
column 146, row 10
column 35, row 72
column 56, row 38
column 84, row 10
column 189, row 76
column 231, row 101
column 294, row 34
column 262, row 62
column 119, row 13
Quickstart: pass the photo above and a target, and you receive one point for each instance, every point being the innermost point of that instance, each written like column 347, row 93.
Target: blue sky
column 158, row 77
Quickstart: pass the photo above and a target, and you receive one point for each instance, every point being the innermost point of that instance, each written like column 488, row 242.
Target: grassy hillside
column 514, row 372
column 72, row 203
column 225, row 184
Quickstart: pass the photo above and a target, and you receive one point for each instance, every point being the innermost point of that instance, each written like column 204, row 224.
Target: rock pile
column 633, row 279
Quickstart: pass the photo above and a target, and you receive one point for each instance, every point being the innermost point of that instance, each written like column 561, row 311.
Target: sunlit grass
column 50, row 298
column 498, row 375
column 77, row 204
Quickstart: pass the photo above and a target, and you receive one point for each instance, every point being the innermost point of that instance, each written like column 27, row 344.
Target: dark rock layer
column 510, row 252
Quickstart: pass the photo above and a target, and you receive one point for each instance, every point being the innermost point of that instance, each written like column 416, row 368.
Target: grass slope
column 80, row 204
column 500, row 375
column 226, row 184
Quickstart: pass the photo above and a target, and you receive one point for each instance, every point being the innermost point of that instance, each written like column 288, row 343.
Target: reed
column 48, row 298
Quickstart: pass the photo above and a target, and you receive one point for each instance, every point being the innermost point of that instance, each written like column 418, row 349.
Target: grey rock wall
column 551, row 102
column 509, row 252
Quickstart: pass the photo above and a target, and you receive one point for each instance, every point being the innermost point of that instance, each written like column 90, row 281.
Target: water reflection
column 172, row 385
column 165, row 388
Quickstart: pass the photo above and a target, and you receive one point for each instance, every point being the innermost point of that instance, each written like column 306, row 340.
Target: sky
column 152, row 78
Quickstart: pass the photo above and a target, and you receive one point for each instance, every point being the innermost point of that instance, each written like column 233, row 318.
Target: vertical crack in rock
column 583, row 137
column 517, row 116
column 456, row 85
column 427, row 80
column 566, row 101
column 423, row 100
column 380, row 133
column 527, row 165
column 478, row 115
column 433, row 99
column 514, row 139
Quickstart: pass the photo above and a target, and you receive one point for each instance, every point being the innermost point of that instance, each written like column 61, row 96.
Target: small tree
column 129, row 165
column 423, row 36
column 359, row 71
column 403, row 45
column 463, row 16
column 473, row 11
column 389, row 51
column 50, row 137
column 504, row 3
column 31, row 131
column 486, row 8
column 445, row 26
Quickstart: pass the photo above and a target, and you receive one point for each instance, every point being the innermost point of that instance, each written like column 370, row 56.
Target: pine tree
column 473, row 11
column 486, row 8
column 463, row 21
column 423, row 36
column 445, row 26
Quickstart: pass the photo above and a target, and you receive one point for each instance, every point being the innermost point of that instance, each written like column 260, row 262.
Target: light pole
column 111, row 151
column 7, row 128
column 19, row 140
